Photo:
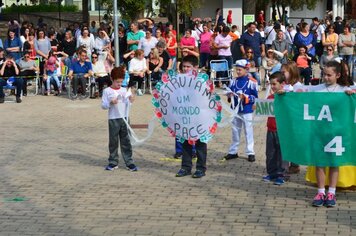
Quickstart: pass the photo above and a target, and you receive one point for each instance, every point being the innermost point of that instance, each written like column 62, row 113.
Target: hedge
column 52, row 7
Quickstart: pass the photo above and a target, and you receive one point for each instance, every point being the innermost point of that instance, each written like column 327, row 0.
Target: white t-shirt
column 118, row 110
column 137, row 65
column 328, row 88
column 270, row 34
column 289, row 35
column 147, row 45
column 319, row 30
column 99, row 69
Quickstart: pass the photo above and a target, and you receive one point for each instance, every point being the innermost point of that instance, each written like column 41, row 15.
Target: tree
column 85, row 10
column 133, row 9
column 293, row 4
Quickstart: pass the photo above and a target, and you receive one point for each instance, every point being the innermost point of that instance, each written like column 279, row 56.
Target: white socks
column 332, row 190
column 321, row 190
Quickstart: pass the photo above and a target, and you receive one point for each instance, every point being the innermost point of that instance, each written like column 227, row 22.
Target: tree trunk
column 85, row 11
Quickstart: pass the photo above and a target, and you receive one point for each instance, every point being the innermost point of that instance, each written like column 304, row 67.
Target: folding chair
column 151, row 81
column 220, row 71
column 32, row 81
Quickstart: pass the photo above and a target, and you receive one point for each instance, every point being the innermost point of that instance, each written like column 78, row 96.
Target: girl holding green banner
column 335, row 81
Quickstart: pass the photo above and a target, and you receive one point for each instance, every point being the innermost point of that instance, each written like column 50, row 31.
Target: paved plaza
column 52, row 157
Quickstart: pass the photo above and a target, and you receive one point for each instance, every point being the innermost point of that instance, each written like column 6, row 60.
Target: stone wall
column 50, row 18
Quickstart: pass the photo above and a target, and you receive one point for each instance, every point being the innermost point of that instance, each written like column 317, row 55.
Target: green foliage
column 187, row 6
column 133, row 9
column 296, row 4
column 129, row 9
column 39, row 8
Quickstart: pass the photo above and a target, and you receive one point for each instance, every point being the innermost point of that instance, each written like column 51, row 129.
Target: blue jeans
column 18, row 83
column 306, row 73
column 256, row 75
column 203, row 59
column 174, row 63
column 348, row 60
column 52, row 78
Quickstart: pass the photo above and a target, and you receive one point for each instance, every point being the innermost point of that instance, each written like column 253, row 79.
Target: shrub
column 52, row 7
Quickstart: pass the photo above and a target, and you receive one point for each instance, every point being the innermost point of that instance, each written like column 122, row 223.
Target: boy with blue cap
column 242, row 92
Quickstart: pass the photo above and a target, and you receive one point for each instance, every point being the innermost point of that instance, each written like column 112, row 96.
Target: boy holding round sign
column 189, row 64
column 188, row 108
column 242, row 92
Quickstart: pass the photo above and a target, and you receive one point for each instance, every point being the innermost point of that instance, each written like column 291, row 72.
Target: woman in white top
column 137, row 70
column 24, row 37
column 147, row 43
column 86, row 41
column 100, row 72
column 102, row 44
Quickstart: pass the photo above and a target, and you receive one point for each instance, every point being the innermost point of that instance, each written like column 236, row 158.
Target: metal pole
column 116, row 35
column 177, row 19
column 99, row 13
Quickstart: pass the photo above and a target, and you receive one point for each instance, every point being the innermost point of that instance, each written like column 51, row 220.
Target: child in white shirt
column 116, row 99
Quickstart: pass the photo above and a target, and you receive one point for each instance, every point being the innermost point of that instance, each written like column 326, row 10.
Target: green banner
column 317, row 129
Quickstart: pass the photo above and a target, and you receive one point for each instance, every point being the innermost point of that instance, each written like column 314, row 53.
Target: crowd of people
column 285, row 53
column 148, row 49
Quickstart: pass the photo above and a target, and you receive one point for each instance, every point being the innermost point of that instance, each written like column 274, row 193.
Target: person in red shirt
column 274, row 162
column 261, row 18
column 171, row 47
column 229, row 18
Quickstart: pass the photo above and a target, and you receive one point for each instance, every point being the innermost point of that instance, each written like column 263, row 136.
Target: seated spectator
column 155, row 63
column 80, row 71
column 137, row 70
column 330, row 56
column 253, row 68
column 167, row 60
column 303, row 61
column 271, row 62
column 10, row 70
column 28, row 69
column 50, row 73
column 127, row 56
column 100, row 73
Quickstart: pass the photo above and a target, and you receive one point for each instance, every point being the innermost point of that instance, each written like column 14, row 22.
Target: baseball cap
column 242, row 63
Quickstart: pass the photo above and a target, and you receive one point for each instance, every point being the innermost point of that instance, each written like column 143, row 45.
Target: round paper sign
column 187, row 106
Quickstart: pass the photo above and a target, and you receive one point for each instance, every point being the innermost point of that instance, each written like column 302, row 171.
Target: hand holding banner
column 317, row 129
column 187, row 106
